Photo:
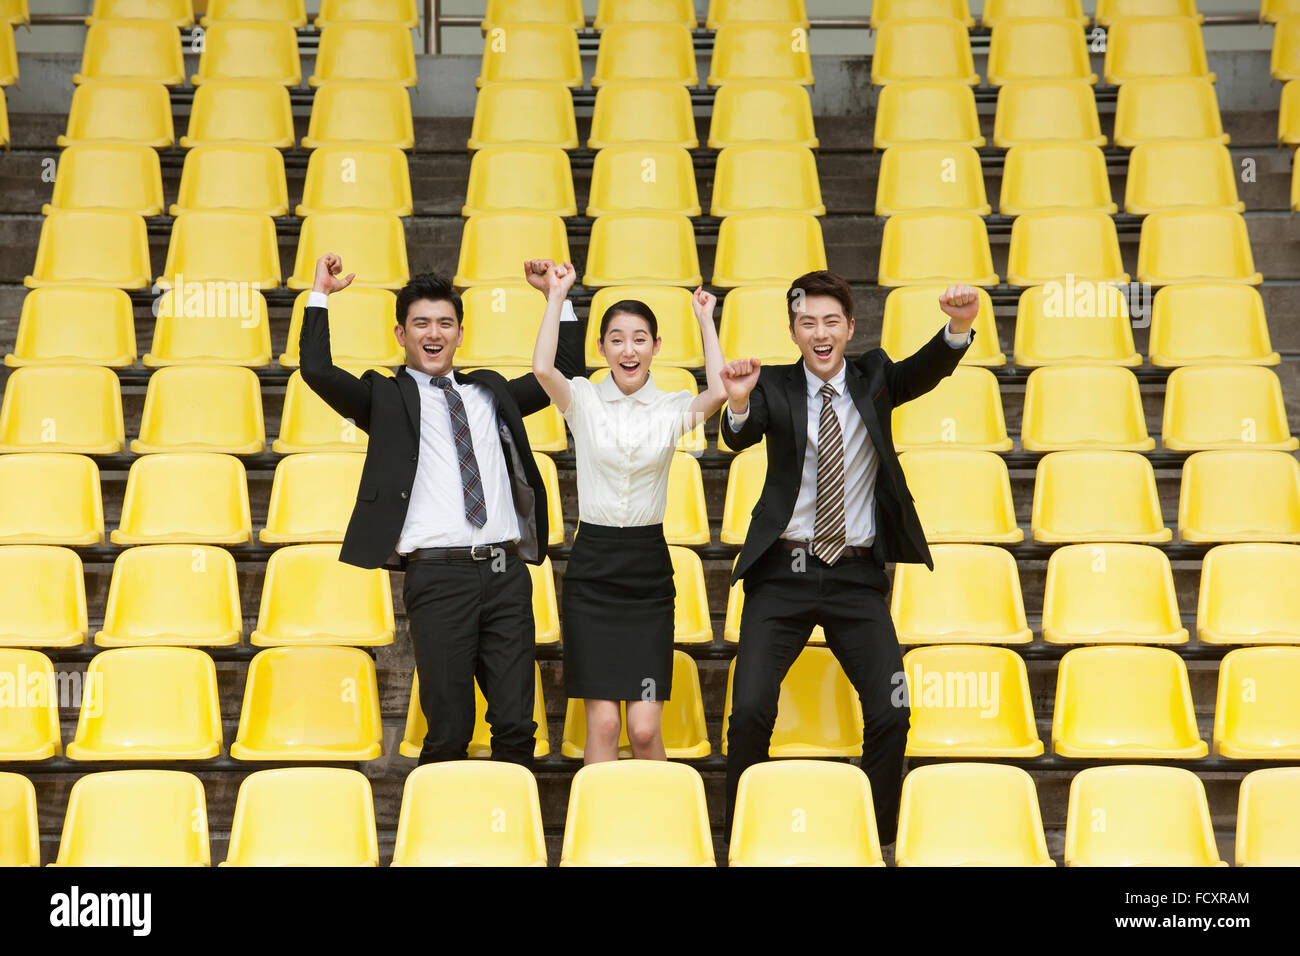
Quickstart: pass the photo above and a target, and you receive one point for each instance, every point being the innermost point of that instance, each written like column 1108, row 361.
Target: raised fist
column 327, row 279
column 559, row 278
column 739, row 378
column 961, row 303
column 535, row 273
column 703, row 302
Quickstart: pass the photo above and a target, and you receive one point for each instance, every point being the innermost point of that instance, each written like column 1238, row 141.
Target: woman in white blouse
column 617, row 606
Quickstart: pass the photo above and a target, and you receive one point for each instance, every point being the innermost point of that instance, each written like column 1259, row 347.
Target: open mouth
column 433, row 350
column 822, row 351
column 629, row 367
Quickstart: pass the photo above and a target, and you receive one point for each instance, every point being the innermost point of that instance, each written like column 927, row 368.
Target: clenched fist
column 327, row 278
column 960, row 303
column 702, row 302
column 739, row 378
column 559, row 278
column 535, row 273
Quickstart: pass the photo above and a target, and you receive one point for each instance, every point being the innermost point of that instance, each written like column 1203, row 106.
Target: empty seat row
column 181, row 12
column 609, row 12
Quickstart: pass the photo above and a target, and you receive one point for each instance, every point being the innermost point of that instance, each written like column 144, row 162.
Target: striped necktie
column 829, row 532
column 475, row 505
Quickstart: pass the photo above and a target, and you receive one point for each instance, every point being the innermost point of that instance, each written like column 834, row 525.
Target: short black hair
column 820, row 282
column 630, row 307
column 428, row 286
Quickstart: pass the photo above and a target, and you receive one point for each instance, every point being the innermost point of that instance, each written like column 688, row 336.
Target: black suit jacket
column 778, row 408
column 388, row 410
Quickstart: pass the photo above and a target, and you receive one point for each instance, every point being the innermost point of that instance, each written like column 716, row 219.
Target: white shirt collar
column 423, row 378
column 608, row 390
column 838, row 380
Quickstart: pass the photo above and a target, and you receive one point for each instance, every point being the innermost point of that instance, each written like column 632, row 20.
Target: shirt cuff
column 566, row 312
column 736, row 420
column 957, row 341
column 317, row 300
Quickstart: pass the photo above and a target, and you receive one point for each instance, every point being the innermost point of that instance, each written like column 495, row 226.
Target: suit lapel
column 857, row 385
column 796, row 390
column 410, row 397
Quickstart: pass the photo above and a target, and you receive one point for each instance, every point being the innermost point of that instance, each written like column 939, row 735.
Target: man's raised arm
column 342, row 391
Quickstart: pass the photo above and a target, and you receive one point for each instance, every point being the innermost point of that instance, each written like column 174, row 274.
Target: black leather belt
column 806, row 546
column 477, row 552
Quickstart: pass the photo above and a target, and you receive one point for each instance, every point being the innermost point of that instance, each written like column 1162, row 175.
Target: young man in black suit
column 834, row 508
column 450, row 494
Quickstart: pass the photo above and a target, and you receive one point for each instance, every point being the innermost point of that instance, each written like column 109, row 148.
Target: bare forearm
column 552, row 380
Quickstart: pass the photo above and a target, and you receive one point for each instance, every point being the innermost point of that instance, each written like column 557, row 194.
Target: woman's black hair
column 630, row 307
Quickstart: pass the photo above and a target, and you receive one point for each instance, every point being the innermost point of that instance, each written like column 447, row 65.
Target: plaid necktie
column 475, row 506
column 829, row 532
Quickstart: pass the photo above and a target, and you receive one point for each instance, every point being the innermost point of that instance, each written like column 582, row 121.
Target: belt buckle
column 480, row 552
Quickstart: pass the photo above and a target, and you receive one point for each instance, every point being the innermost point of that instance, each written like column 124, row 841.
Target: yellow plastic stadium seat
column 941, row 112
column 760, row 51
column 745, row 478
column 764, row 176
column 376, row 178
column 312, row 598
column 50, row 499
column 1110, row 594
column 149, row 703
column 494, row 247
column 962, row 496
column 912, row 317
column 1108, row 11
column 995, row 11
column 249, row 50
column 526, row 114
column 730, row 11
column 555, row 514
column 1239, row 495
column 971, row 597
column 609, row 12
column 1080, row 406
column 756, row 248
column 135, row 818
column 969, row 702
column 304, row 816
column 178, row 12
column 686, row 522
column 1117, row 703
column 374, row 113
column 630, row 112
column 1084, row 323
column 389, row 11
column 1209, row 324
column 532, row 178
column 185, row 499
column 637, row 813
column 1295, row 190
column 1140, row 47
column 1225, row 406
column 1270, row 11
column 1048, row 246
column 293, row 709
column 1172, row 107
column 923, row 49
column 760, row 112
column 684, row 733
column 818, row 712
column 8, row 56
column 373, row 244
column 241, row 112
column 641, row 248
column 99, row 247
column 214, row 323
column 1096, row 496
column 1139, row 816
column 1051, row 175
column 1195, row 245
column 643, row 177
column 366, row 52
column 4, row 121
column 480, row 745
column 1038, row 48
column 308, row 424
column 1247, row 595
column 120, row 111
column 755, row 324
column 1288, row 118
column 233, row 176
column 546, row 612
column 450, row 812
column 1284, row 64
column 963, row 411
column 970, row 814
column 501, row 325
column 930, row 178
column 886, row 10
column 29, row 722
column 678, row 326
column 545, row 428
column 223, row 245
column 291, row 12
column 108, row 176
column 133, row 50
column 1034, row 111
column 312, row 497
column 71, row 325
column 692, row 623
column 15, row 12
column 19, row 836
column 1170, row 174
column 361, row 321
column 202, row 408
column 1267, row 834
column 1257, row 714
column 508, row 12
column 736, row 608
column 62, row 408
column 935, row 247
column 536, row 52
column 44, row 594
column 662, row 52
column 832, row 802
column 172, row 594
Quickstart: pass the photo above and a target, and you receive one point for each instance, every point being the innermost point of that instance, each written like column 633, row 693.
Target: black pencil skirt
column 617, row 614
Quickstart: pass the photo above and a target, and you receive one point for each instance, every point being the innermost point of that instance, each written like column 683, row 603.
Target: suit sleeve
column 924, row 368
column 752, row 428
column 528, row 392
column 342, row 391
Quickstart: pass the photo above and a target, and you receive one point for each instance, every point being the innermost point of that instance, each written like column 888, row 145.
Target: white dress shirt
column 860, row 459
column 624, row 447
